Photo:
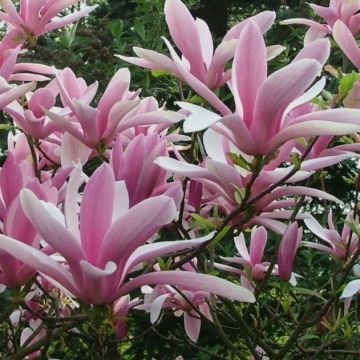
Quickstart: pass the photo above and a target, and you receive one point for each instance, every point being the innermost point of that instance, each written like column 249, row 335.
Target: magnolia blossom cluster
column 91, row 237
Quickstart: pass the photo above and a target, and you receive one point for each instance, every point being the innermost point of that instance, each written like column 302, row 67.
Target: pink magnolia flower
column 287, row 250
column 223, row 182
column 10, row 49
column 184, row 304
column 343, row 10
column 117, row 110
column 121, row 308
column 13, row 178
column 36, row 18
column 338, row 245
column 10, row 93
column 200, row 67
column 135, row 165
column 105, row 244
column 254, row 267
column 32, row 120
column 260, row 124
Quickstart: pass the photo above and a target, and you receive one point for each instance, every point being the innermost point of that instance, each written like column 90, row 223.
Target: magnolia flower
column 338, row 245
column 118, row 109
column 200, row 66
column 260, row 124
column 36, row 18
column 287, row 250
column 14, row 177
column 104, row 244
column 32, row 120
column 121, row 307
column 182, row 304
column 254, row 268
column 343, row 10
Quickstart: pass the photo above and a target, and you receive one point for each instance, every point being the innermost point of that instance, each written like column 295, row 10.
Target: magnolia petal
column 351, row 289
column 347, row 42
column 249, row 70
column 96, row 210
column 192, row 325
column 199, row 118
column 198, row 281
column 38, row 261
column 182, row 168
column 156, row 307
column 50, row 228
column 310, row 128
column 135, row 228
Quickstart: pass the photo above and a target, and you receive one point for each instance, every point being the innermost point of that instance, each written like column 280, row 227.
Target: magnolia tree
column 202, row 212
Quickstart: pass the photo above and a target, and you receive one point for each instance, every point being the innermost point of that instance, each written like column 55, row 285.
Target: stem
column 30, row 141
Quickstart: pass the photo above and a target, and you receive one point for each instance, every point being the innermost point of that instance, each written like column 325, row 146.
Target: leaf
column 347, row 83
column 296, row 160
column 220, row 235
column 238, row 160
column 116, row 28
column 203, row 222
column 308, row 292
column 159, row 73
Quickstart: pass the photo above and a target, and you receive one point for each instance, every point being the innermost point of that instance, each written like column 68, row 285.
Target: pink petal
column 96, row 210
column 192, row 324
column 185, row 34
column 51, row 229
column 38, row 261
column 249, row 70
column 257, row 245
column 347, row 42
column 135, row 228
column 198, row 281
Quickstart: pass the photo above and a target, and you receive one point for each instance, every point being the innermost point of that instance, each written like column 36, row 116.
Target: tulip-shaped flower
column 36, row 18
column 135, row 165
column 340, row 246
column 32, row 120
column 259, row 125
column 200, row 67
column 121, row 308
column 10, row 93
column 184, row 303
column 104, row 244
column 343, row 10
column 287, row 250
column 14, row 177
column 254, row 267
column 118, row 109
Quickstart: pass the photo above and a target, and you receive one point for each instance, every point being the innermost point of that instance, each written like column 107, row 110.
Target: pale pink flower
column 201, row 67
column 338, row 245
column 343, row 10
column 106, row 243
column 36, row 18
column 287, row 250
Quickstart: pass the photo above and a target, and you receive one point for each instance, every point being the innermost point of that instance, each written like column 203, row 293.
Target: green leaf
column 203, row 222
column 220, row 235
column 116, row 28
column 296, row 160
column 238, row 160
column 308, row 292
column 347, row 83
column 159, row 73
